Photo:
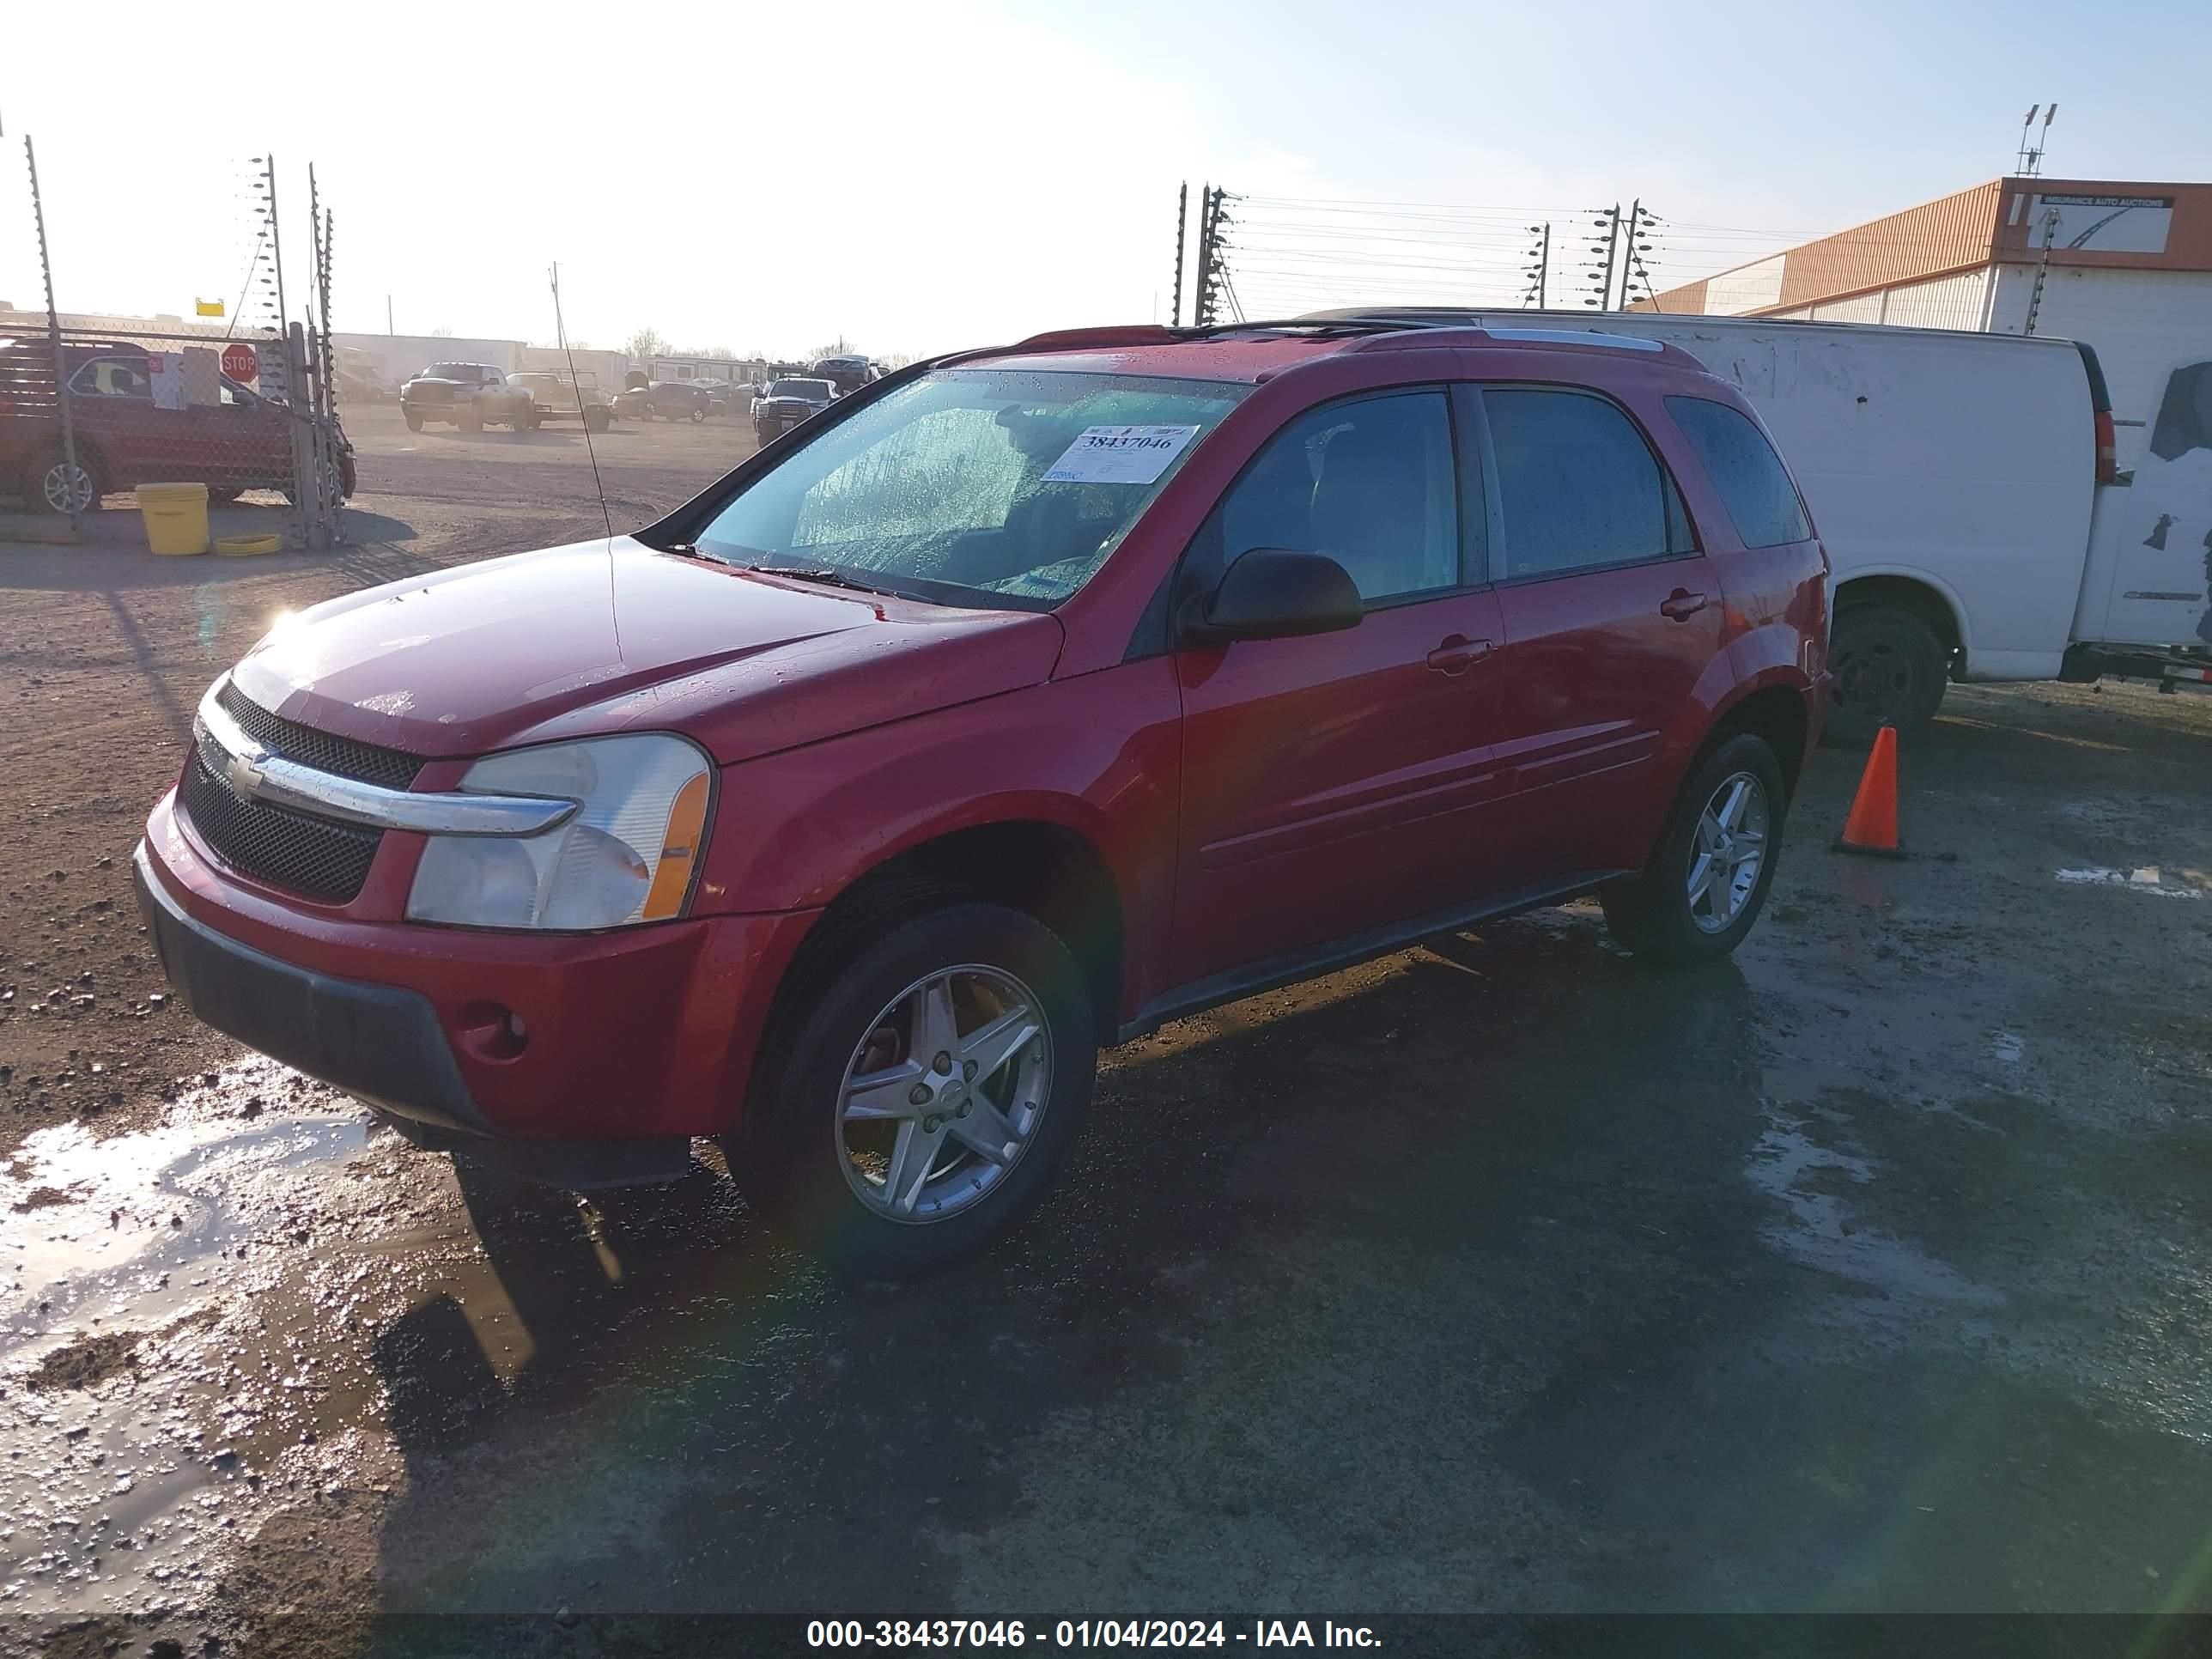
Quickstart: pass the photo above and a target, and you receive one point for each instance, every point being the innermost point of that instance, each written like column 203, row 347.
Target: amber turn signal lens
column 679, row 855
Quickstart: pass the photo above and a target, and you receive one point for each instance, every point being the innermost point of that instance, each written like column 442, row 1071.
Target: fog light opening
column 492, row 1030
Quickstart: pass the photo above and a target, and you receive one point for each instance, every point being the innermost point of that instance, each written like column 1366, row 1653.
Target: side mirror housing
column 1273, row 593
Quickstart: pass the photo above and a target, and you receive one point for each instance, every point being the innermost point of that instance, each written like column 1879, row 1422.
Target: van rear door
column 2150, row 564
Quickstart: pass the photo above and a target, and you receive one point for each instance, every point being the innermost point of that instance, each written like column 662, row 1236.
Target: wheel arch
column 1042, row 867
column 1918, row 594
column 1774, row 710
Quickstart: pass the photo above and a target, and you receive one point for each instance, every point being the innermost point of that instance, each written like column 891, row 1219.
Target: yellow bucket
column 176, row 516
column 237, row 547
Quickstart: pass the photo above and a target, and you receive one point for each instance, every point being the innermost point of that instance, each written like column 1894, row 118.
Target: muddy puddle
column 157, row 1366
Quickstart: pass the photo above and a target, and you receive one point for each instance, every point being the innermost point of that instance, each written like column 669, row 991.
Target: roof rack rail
column 1110, row 335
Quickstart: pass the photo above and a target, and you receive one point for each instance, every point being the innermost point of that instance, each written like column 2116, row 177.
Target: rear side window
column 1578, row 488
column 1744, row 468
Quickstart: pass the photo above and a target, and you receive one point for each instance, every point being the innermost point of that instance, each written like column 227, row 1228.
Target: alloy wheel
column 65, row 487
column 944, row 1093
column 1727, row 851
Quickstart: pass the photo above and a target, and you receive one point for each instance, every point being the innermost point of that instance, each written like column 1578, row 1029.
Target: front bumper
column 635, row 1040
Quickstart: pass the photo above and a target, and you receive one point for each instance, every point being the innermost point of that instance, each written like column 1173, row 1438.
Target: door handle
column 1458, row 654
column 1681, row 605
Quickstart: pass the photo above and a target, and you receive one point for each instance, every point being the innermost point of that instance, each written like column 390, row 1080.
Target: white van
column 1967, row 489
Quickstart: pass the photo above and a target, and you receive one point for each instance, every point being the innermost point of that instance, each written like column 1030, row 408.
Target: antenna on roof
column 2029, row 162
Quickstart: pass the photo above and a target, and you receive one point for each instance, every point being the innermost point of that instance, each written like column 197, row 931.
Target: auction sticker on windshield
column 1120, row 454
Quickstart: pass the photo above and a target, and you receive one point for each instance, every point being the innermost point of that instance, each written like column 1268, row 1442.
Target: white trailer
column 1967, row 490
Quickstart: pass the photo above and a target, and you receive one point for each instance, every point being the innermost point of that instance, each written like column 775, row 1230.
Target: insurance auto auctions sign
column 2101, row 224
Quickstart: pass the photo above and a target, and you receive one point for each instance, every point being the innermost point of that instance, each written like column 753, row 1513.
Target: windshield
column 450, row 372
column 813, row 391
column 993, row 486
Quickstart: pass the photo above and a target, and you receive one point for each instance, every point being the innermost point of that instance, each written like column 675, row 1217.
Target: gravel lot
column 1866, row 1272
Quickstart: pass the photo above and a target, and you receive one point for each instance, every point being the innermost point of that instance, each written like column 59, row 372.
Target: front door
column 1337, row 784
column 1611, row 615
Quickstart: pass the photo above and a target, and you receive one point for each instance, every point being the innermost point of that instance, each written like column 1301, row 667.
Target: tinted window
column 113, row 377
column 1577, row 486
column 1370, row 482
column 1744, row 468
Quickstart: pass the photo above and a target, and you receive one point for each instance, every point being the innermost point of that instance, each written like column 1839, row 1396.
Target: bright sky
column 921, row 177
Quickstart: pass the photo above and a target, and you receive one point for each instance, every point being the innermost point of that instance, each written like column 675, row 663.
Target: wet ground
column 1868, row 1271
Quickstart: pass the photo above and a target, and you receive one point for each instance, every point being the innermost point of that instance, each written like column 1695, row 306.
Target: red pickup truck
column 1019, row 703
column 124, row 439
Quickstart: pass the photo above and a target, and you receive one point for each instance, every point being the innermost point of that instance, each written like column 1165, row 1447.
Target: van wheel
column 414, row 421
column 935, row 1082
column 1889, row 669
column 1708, row 878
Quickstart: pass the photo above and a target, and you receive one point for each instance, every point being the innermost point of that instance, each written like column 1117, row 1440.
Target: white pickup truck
column 1967, row 490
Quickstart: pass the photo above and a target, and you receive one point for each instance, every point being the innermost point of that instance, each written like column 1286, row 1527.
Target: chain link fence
column 95, row 408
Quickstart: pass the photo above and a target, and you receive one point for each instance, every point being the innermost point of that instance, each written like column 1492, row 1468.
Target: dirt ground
column 1866, row 1272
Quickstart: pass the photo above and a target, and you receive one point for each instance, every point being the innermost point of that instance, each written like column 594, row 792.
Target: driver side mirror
column 1273, row 593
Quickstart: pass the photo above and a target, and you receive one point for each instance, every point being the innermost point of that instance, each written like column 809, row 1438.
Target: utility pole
column 1539, row 274
column 2042, row 268
column 388, row 329
column 1213, row 275
column 1628, row 251
column 1183, row 216
column 70, row 473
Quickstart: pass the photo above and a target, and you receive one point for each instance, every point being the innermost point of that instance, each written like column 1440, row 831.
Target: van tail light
column 2108, row 450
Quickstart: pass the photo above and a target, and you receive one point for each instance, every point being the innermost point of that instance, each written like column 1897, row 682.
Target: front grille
column 325, row 753
column 314, row 857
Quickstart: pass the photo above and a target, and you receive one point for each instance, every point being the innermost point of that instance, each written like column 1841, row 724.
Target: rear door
column 1611, row 612
column 1341, row 783
column 2153, row 534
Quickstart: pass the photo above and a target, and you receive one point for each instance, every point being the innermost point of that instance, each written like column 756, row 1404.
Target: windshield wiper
column 828, row 578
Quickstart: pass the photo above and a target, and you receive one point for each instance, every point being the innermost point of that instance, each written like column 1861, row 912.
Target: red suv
column 1023, row 701
column 239, row 441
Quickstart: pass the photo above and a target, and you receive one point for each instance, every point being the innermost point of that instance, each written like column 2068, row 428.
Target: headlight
column 626, row 855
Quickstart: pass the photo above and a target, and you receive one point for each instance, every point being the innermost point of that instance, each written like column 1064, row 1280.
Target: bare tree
column 647, row 344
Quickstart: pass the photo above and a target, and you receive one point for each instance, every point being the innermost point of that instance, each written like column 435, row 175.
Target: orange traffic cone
column 1872, row 826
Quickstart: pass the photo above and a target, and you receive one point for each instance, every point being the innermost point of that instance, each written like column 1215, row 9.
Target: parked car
column 678, row 400
column 789, row 403
column 1969, row 495
column 471, row 395
column 123, row 438
column 557, row 397
column 1018, row 705
column 633, row 403
column 847, row 374
column 723, row 398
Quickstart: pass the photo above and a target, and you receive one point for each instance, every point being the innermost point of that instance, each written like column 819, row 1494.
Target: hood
column 607, row 636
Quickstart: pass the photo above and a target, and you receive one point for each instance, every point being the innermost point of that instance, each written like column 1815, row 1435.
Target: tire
column 49, row 487
column 821, row 1178
column 1654, row 914
column 471, row 420
column 414, row 421
column 597, row 420
column 698, row 413
column 1888, row 667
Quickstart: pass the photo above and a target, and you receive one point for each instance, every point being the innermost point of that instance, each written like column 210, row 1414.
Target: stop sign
column 239, row 361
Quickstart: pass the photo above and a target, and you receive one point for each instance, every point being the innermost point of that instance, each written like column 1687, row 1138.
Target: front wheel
column 698, row 413
column 471, row 420
column 414, row 421
column 1708, row 877
column 936, row 1081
